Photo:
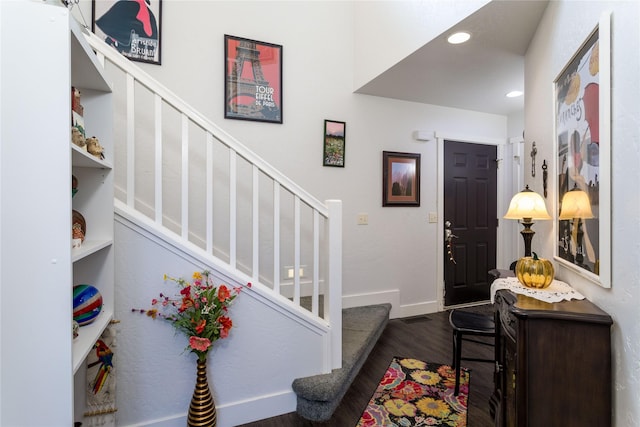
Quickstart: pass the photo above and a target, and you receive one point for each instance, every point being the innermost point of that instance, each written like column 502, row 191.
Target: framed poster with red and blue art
column 132, row 27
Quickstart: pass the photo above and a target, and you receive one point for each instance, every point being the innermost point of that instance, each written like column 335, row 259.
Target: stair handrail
column 105, row 51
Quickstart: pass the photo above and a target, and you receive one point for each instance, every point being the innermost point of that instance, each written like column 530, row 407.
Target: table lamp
column 576, row 205
column 526, row 206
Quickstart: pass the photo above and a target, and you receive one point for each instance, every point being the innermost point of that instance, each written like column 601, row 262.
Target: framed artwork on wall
column 400, row 179
column 334, row 143
column 253, row 80
column 582, row 130
column 132, row 27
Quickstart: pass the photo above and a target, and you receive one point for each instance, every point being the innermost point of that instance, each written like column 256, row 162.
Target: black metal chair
column 466, row 323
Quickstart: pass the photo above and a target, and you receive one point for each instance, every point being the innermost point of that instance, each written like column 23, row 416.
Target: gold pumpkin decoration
column 534, row 272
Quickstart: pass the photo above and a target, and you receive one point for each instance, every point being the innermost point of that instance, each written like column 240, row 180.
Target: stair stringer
column 273, row 341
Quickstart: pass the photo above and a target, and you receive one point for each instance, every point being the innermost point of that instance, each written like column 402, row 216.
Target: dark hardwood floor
column 426, row 338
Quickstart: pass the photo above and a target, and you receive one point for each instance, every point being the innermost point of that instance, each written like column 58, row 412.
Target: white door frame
column 505, row 183
column 510, row 246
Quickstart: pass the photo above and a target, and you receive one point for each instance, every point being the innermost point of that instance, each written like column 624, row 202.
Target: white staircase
column 188, row 186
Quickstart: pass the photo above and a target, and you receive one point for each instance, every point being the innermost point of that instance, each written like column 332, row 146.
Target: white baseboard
column 237, row 413
column 392, row 297
column 257, row 409
column 419, row 309
column 357, row 300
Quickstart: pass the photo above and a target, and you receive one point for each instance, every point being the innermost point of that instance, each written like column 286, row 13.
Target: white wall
column 389, row 31
column 156, row 377
column 394, row 257
column 565, row 26
column 516, row 124
column 397, row 249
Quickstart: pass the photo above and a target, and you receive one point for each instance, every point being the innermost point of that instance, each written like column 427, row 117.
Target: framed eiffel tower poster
column 253, row 80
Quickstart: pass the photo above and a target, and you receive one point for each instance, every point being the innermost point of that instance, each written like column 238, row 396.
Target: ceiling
column 475, row 75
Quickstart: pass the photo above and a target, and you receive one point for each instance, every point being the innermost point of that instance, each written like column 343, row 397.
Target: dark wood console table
column 553, row 363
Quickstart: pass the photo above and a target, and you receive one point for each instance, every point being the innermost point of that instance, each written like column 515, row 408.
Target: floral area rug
column 417, row 393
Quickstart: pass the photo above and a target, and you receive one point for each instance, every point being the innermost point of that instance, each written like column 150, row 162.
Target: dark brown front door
column 470, row 175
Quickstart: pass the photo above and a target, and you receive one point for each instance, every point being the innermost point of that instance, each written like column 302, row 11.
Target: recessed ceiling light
column 514, row 94
column 459, row 37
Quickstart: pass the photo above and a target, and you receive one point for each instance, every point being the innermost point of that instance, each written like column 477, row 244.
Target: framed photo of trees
column 400, row 179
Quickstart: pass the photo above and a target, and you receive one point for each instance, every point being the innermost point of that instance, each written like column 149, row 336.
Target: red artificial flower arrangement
column 199, row 310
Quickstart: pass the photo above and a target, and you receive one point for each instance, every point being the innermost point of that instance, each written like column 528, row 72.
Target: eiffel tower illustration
column 237, row 86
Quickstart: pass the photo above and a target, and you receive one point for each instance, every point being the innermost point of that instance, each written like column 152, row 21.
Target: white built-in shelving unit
column 43, row 54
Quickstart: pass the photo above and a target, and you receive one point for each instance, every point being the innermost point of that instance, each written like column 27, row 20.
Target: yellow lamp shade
column 527, row 204
column 575, row 204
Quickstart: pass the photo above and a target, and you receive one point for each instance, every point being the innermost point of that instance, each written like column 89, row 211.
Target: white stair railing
column 188, row 176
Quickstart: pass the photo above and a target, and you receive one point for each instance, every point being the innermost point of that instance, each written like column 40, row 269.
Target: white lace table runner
column 556, row 292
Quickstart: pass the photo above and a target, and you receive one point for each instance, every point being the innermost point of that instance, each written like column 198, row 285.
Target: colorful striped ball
column 87, row 304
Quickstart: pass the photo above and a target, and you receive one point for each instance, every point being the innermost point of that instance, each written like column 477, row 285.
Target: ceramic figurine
column 75, row 328
column 94, row 147
column 77, row 232
column 74, row 185
column 77, row 138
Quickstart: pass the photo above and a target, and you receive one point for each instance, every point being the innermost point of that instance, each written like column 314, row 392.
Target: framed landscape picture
column 131, row 27
column 334, row 143
column 253, row 80
column 400, row 179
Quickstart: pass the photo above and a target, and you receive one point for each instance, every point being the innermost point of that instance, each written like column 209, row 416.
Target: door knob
column 448, row 237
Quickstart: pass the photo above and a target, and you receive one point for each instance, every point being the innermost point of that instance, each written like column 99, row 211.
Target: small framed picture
column 400, row 179
column 253, row 80
column 131, row 27
column 334, row 143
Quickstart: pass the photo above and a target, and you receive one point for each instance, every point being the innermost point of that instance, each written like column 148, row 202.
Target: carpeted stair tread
column 319, row 395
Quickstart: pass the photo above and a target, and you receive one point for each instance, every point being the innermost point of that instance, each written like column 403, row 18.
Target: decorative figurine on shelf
column 76, row 328
column 78, row 229
column 105, row 361
column 76, row 106
column 87, row 304
column 94, row 147
column 78, row 236
column 74, row 185
column 77, row 138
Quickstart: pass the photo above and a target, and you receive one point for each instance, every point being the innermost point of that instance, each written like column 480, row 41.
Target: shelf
column 41, row 108
column 83, row 159
column 89, row 247
column 87, row 336
column 80, row 63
